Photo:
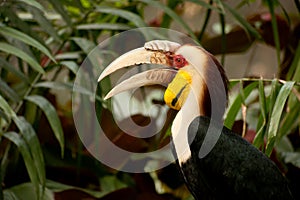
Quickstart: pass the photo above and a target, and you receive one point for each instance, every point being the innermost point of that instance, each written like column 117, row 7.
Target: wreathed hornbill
column 215, row 162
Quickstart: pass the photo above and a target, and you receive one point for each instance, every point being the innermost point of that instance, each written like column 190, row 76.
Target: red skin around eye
column 179, row 61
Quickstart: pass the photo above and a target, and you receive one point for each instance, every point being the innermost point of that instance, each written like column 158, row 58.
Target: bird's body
column 215, row 162
column 233, row 169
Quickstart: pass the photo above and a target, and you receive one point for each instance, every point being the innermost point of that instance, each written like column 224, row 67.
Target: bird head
column 196, row 83
column 189, row 69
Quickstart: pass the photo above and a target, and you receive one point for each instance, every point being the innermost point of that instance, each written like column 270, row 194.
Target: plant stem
column 207, row 16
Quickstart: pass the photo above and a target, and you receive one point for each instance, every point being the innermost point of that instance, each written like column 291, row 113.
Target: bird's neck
column 207, row 89
column 189, row 111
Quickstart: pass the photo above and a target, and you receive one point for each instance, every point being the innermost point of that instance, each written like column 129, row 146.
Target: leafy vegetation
column 43, row 44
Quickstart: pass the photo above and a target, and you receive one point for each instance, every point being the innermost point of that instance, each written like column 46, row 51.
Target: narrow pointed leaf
column 52, row 117
column 6, row 108
column 33, row 143
column 44, row 23
column 71, row 65
column 276, row 114
column 132, row 17
column 261, row 125
column 26, row 191
column 31, row 139
column 19, row 53
column 58, row 6
column 10, row 68
column 294, row 71
column 34, row 4
column 10, row 32
column 262, row 99
column 68, row 55
column 58, row 187
column 8, row 91
column 290, row 121
column 86, row 45
column 4, row 116
column 19, row 141
column 274, row 28
column 236, row 105
column 20, row 23
column 273, row 96
column 105, row 26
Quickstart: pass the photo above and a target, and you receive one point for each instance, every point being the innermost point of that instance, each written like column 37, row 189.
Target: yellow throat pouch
column 178, row 90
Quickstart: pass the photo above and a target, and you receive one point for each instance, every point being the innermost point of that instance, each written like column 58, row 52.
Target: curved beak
column 139, row 56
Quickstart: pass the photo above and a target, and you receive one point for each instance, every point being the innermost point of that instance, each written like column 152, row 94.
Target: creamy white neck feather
column 190, row 109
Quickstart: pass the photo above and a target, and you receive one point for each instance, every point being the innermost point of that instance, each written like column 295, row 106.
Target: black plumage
column 234, row 169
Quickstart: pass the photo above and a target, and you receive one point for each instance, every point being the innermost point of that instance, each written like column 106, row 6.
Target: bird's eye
column 179, row 61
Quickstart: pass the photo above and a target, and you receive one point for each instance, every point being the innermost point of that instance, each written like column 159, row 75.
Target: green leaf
column 59, row 187
column 294, row 71
column 6, row 108
column 52, row 117
column 68, row 55
column 132, row 17
column 29, row 147
column 44, row 23
column 15, row 21
column 10, row 68
column 10, row 32
column 19, row 53
column 261, row 125
column 33, row 143
column 4, row 117
column 103, row 26
column 242, row 21
column 234, row 108
column 8, row 91
column 33, row 3
column 111, row 183
column 71, row 65
column 172, row 14
column 233, row 83
column 276, row 114
column 262, row 99
column 58, row 6
column 86, row 45
column 290, row 121
column 26, row 191
column 274, row 28
column 19, row 141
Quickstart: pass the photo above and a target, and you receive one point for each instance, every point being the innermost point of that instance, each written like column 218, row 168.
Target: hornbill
column 215, row 162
